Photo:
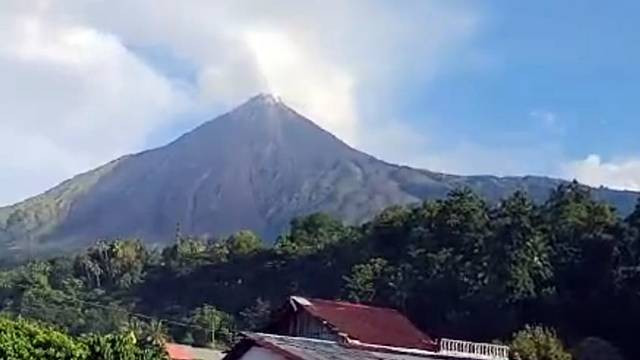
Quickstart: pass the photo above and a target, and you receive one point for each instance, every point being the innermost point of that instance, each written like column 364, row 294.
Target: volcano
column 256, row 168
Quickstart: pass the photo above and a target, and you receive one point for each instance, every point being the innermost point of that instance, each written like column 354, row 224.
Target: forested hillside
column 458, row 267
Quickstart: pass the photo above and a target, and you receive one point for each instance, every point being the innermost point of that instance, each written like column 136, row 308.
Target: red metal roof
column 178, row 352
column 368, row 324
column 186, row 352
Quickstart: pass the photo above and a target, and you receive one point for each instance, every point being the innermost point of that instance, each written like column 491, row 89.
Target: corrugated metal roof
column 368, row 324
column 206, row 354
column 178, row 352
column 314, row 349
column 186, row 352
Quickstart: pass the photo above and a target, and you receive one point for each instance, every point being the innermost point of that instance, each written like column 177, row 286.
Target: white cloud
column 72, row 97
column 617, row 174
column 320, row 89
column 319, row 56
column 75, row 94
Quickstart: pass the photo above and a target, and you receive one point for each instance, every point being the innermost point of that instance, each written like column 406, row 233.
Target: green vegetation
column 458, row 267
column 22, row 340
column 538, row 343
column 596, row 349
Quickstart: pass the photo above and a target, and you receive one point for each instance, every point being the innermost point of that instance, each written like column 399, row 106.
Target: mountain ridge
column 255, row 167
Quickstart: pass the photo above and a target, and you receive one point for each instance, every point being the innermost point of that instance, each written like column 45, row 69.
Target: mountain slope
column 253, row 168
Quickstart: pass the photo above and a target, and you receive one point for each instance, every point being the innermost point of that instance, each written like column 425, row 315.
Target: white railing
column 472, row 350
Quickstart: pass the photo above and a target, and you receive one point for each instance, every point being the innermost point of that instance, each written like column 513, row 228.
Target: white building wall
column 258, row 353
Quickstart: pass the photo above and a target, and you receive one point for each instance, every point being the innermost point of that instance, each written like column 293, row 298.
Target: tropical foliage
column 459, row 267
column 24, row 340
column 538, row 343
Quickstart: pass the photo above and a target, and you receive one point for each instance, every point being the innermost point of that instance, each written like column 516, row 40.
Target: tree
column 521, row 253
column 634, row 218
column 388, row 234
column 243, row 243
column 310, row 234
column 593, row 348
column 188, row 252
column 211, row 327
column 122, row 347
column 630, row 248
column 460, row 225
column 156, row 332
column 256, row 316
column 581, row 232
column 118, row 264
column 538, row 343
column 22, row 340
column 364, row 281
column 584, row 235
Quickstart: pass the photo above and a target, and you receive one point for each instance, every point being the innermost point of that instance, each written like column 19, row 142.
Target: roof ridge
column 358, row 305
column 277, row 336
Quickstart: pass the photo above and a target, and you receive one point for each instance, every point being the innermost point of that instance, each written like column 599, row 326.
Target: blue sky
column 575, row 59
column 553, row 74
column 495, row 87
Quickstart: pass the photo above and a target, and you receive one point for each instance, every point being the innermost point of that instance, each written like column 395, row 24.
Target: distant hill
column 255, row 167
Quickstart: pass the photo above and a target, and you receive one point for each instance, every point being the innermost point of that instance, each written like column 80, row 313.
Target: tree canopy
column 459, row 267
column 24, row 340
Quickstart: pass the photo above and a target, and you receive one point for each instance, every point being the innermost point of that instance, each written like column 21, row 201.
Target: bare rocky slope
column 254, row 168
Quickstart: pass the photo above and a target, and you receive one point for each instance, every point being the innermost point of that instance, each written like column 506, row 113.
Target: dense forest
column 458, row 267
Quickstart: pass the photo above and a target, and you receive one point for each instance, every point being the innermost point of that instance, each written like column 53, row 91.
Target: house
column 314, row 329
column 256, row 346
column 337, row 321
column 186, row 352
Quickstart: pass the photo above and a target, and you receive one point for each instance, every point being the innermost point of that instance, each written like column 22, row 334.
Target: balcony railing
column 472, row 350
